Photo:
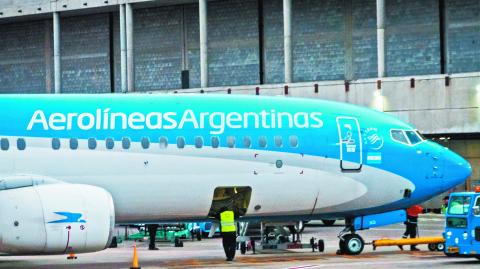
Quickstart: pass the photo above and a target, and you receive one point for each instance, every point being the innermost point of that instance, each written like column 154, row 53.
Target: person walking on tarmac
column 228, row 230
column 412, row 224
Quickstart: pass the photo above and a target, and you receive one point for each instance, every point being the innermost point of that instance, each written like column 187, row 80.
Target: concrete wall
column 463, row 31
column 25, row 57
column 85, row 54
column 412, row 37
column 233, row 46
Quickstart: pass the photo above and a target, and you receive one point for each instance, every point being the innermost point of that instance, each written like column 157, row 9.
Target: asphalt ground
column 209, row 253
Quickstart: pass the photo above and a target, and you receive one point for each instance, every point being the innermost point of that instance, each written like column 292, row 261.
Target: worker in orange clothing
column 412, row 224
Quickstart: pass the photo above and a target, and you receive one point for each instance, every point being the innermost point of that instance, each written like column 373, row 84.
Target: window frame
column 71, row 143
column 94, row 140
column 21, row 140
column 107, row 143
column 54, row 141
column 2, row 140
column 404, row 136
column 126, row 143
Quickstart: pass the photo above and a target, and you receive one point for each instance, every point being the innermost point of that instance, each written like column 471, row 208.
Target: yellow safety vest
column 227, row 222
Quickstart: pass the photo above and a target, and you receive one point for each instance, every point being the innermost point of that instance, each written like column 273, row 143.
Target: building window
column 278, row 141
column 21, row 144
column 231, row 141
column 293, row 141
column 4, row 144
column 109, row 143
column 198, row 142
column 180, row 142
column 92, row 143
column 262, row 141
column 55, row 143
column 73, row 143
column 163, row 142
column 145, row 143
column 126, row 143
column 247, row 142
column 215, row 142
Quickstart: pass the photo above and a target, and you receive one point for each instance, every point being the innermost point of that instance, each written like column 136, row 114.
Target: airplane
column 73, row 166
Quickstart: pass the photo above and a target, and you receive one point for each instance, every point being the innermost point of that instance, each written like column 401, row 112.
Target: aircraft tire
column 432, row 247
column 352, row 244
column 328, row 222
column 243, row 248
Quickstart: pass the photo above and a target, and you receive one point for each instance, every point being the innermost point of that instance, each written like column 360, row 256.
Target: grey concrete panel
column 443, row 121
column 24, row 60
column 158, row 53
column 412, row 37
column 85, row 54
column 233, row 52
column 431, row 93
column 463, row 30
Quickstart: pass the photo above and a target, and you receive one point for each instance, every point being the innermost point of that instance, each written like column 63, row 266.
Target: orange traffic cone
column 135, row 258
column 71, row 256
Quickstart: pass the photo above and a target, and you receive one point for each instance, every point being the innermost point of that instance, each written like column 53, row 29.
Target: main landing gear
column 350, row 243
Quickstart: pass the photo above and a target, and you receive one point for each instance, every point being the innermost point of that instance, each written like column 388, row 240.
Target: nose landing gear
column 350, row 243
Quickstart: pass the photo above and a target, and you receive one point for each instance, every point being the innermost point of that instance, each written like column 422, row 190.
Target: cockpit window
column 421, row 135
column 413, row 137
column 399, row 136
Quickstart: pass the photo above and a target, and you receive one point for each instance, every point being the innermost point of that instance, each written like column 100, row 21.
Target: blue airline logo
column 69, row 218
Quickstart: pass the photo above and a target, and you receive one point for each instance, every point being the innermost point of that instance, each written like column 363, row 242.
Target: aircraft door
column 350, row 142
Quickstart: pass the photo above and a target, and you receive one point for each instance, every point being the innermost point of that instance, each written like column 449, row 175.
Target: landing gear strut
column 350, row 243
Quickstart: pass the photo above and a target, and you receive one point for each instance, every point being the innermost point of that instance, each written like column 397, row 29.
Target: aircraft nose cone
column 458, row 169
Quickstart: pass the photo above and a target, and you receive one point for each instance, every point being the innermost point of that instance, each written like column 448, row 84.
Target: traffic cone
column 71, row 256
column 135, row 258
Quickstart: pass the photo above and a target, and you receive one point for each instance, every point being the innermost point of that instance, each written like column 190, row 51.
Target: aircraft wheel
column 432, row 247
column 352, row 244
column 328, row 222
column 321, row 245
column 243, row 248
column 440, row 247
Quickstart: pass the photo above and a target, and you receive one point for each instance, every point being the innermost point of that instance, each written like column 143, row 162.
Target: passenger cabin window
column 180, row 142
column 73, row 143
column 215, row 142
column 413, row 137
column 262, row 141
column 109, row 143
column 163, row 142
column 247, row 142
column 4, row 144
column 126, row 143
column 278, row 141
column 399, row 136
column 230, row 141
column 293, row 141
column 92, row 143
column 21, row 144
column 145, row 142
column 198, row 142
column 55, row 143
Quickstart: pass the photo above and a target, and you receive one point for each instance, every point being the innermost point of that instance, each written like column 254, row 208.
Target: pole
column 202, row 9
column 123, row 50
column 57, row 65
column 381, row 38
column 287, row 40
column 130, row 53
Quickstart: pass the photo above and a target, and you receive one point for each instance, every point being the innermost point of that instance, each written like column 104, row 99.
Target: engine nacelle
column 55, row 219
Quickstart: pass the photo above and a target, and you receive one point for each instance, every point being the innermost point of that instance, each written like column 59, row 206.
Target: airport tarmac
column 209, row 253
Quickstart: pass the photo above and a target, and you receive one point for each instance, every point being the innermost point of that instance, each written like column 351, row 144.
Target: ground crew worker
column 229, row 233
column 411, row 224
column 152, row 233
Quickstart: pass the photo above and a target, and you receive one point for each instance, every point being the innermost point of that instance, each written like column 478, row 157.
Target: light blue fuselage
column 322, row 139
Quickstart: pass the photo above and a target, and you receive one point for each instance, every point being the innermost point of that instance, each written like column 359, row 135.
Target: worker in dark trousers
column 229, row 233
column 412, row 224
column 152, row 233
